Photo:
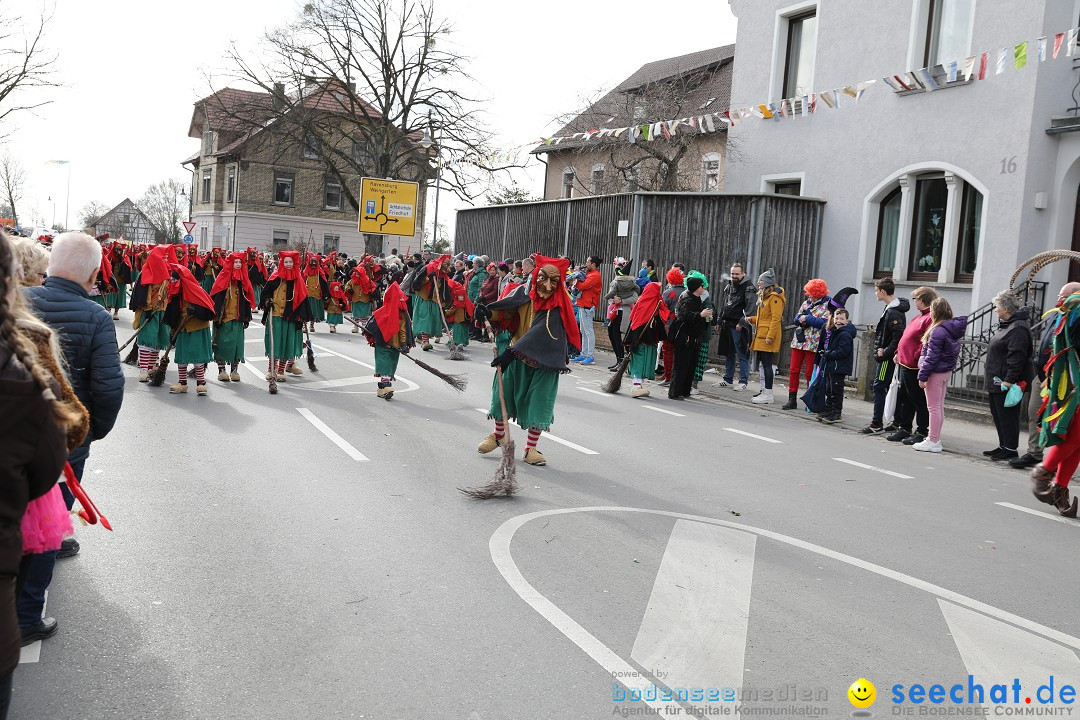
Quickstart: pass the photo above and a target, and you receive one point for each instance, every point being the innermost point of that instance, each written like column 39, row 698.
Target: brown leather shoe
column 490, row 443
column 1042, row 484
column 1065, row 507
column 534, row 457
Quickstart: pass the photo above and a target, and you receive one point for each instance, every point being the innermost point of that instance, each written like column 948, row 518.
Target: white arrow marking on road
column 759, row 437
column 661, row 410
column 694, row 629
column 1039, row 513
column 334, row 437
column 559, row 440
column 883, row 471
column 996, row 652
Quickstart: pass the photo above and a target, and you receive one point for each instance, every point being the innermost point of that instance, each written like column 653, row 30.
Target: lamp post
column 67, row 194
column 52, row 225
column 427, row 141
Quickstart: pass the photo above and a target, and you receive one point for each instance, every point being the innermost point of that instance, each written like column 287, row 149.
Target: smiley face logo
column 862, row 693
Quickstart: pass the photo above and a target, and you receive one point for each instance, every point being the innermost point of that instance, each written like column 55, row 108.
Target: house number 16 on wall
column 1008, row 165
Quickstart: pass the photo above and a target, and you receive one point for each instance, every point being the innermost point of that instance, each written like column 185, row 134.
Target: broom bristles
column 132, row 356
column 505, row 481
column 458, row 382
column 613, row 385
column 157, row 375
column 311, row 358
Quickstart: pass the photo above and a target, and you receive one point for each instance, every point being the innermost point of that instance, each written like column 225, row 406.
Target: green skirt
column 460, row 334
column 502, row 341
column 99, row 299
column 386, row 360
column 703, row 355
column 118, row 299
column 642, row 361
column 288, row 339
column 427, row 318
column 318, row 310
column 361, row 309
column 154, row 333
column 258, row 295
column 229, row 342
column 530, row 396
column 207, row 283
column 334, row 318
column 194, row 348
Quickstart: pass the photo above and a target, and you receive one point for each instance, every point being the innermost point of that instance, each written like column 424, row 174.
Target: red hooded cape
column 105, row 271
column 156, row 267
column 361, row 279
column 317, row 270
column 460, row 297
column 337, row 291
column 189, row 288
column 299, row 288
column 258, row 260
column 228, row 274
column 646, row 306
column 388, row 317
column 433, row 266
column 559, row 300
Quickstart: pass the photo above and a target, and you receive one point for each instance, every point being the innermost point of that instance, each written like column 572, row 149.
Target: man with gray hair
column 88, row 338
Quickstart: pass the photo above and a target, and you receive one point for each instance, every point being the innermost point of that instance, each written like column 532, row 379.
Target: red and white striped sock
column 220, row 367
column 182, row 372
column 200, row 374
column 384, row 379
column 281, row 367
column 147, row 357
column 500, row 429
column 534, row 437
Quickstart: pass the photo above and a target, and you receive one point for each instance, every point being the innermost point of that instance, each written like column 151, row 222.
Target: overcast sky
column 130, row 70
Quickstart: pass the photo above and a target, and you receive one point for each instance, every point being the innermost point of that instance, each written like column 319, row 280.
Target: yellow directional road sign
column 388, row 207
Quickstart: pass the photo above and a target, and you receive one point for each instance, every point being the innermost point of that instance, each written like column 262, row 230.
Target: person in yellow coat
column 769, row 325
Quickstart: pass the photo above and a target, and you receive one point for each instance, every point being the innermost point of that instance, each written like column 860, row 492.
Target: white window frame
column 708, row 158
column 273, row 237
column 596, row 187
column 768, row 181
column 310, row 150
column 780, row 43
column 230, row 187
column 207, row 186
column 279, row 177
column 567, row 189
column 335, row 238
column 907, row 178
column 920, row 10
column 340, row 194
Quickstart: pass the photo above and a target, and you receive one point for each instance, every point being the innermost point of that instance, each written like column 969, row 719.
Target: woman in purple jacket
column 941, row 348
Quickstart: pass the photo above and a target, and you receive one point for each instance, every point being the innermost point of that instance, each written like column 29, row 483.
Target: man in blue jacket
column 88, row 338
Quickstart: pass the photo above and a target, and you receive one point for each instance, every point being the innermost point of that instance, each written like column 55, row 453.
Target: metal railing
column 983, row 322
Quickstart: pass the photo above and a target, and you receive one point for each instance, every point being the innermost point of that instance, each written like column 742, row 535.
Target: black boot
column 1065, row 507
column 792, row 403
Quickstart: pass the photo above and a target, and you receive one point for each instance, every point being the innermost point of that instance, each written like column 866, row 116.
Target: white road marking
column 1039, row 513
column 409, row 384
column 992, row 650
column 662, row 410
column 328, row 385
column 559, row 440
column 759, row 437
column 883, row 471
column 499, row 548
column 334, row 437
column 594, row 392
column 696, row 622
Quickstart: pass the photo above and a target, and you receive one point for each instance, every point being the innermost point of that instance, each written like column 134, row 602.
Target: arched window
column 888, row 234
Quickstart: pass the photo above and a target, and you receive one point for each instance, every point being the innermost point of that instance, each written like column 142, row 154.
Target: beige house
column 252, row 187
column 690, row 160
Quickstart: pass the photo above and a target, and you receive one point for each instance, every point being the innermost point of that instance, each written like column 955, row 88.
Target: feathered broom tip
column 458, row 382
column 311, row 358
column 157, row 375
column 615, row 382
column 505, row 481
column 132, row 356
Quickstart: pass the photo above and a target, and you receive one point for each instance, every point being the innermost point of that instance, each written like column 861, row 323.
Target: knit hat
column 700, row 275
column 693, row 283
column 674, row 276
column 768, row 277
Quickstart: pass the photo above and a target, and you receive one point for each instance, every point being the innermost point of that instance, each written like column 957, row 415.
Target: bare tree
column 12, row 183
column 25, row 62
column 510, row 195
column 92, row 212
column 165, row 207
column 361, row 85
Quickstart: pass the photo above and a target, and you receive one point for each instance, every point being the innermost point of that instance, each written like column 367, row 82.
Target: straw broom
column 505, row 480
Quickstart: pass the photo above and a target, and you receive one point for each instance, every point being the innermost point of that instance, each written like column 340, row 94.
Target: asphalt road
column 259, row 569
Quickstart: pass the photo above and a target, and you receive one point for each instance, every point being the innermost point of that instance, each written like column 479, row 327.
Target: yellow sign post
column 388, row 207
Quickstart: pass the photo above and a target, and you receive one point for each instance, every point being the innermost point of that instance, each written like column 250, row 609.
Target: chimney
column 278, row 102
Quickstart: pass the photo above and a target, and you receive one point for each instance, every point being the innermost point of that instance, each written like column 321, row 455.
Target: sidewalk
column 959, row 436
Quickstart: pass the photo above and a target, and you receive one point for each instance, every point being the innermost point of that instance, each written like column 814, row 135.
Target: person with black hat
column 685, row 333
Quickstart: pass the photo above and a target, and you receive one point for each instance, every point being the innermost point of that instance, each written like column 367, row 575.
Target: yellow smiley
column 862, row 693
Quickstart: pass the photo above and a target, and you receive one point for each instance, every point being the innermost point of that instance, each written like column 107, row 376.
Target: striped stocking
column 534, row 436
column 148, row 357
column 200, row 374
column 181, row 370
column 500, row 429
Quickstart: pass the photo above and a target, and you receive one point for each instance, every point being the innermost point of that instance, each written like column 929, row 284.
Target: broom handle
column 131, row 339
column 438, row 301
column 499, row 375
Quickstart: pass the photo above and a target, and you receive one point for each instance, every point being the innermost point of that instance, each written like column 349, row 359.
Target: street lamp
column 67, row 194
column 426, row 142
column 52, row 225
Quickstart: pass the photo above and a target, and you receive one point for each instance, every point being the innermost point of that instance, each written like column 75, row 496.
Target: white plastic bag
column 890, row 399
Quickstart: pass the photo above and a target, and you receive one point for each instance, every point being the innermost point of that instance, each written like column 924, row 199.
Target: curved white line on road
column 499, row 547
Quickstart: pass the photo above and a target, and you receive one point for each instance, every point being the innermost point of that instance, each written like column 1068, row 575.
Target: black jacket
column 296, row 315
column 838, row 357
column 738, row 300
column 1009, row 354
column 34, row 452
column 688, row 327
column 88, row 337
column 889, row 329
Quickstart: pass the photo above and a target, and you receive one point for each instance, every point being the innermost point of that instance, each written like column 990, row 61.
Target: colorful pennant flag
column 1057, row 43
column 954, row 68
column 1020, row 55
column 926, row 79
column 1042, row 48
column 1002, row 54
column 969, row 67
column 984, row 61
column 1070, row 43
column 828, row 98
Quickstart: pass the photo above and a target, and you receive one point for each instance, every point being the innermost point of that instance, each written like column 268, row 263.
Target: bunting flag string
column 977, row 66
